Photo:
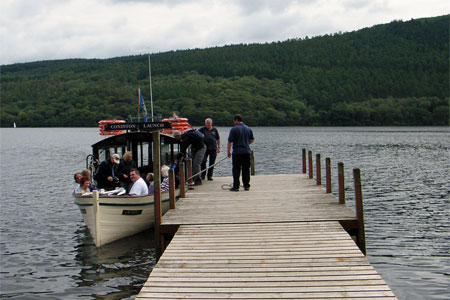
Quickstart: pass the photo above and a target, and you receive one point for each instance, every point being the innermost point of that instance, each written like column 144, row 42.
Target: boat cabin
column 140, row 144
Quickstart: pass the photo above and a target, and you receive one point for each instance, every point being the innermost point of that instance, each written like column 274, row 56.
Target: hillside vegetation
column 390, row 74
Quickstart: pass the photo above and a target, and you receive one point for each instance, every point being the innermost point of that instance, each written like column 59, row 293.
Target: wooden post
column 96, row 205
column 328, row 173
column 252, row 164
column 341, row 183
column 304, row 160
column 172, row 188
column 157, row 190
column 310, row 164
column 318, row 171
column 182, row 181
column 189, row 162
column 359, row 210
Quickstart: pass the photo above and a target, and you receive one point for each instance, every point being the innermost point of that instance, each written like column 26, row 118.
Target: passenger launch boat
column 109, row 215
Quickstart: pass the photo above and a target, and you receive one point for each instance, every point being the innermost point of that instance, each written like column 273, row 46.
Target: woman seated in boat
column 86, row 186
column 165, row 174
column 149, row 179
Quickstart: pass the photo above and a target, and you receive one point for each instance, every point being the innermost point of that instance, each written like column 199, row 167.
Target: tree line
column 389, row 74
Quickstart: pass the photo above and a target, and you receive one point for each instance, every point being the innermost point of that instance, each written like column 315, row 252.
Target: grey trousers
column 197, row 158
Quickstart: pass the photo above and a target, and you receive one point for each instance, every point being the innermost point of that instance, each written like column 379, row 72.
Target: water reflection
column 116, row 270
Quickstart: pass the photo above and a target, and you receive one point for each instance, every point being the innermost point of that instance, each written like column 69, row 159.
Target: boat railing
column 138, row 119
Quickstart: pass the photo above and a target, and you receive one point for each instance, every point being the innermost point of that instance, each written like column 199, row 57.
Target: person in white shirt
column 139, row 187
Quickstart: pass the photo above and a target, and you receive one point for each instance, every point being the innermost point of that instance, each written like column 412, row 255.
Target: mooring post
column 318, row 171
column 341, row 183
column 328, row 173
column 359, row 211
column 189, row 162
column 157, row 190
column 172, row 188
column 182, row 181
column 304, row 160
column 252, row 163
column 310, row 164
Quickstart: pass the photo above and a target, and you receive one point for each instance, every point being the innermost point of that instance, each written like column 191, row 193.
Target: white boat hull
column 116, row 217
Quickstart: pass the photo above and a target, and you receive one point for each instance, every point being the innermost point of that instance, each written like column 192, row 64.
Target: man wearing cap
column 106, row 176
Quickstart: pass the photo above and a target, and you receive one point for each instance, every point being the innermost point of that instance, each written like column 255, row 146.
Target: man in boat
column 139, row 187
column 212, row 141
column 240, row 137
column 77, row 177
column 106, row 176
column 193, row 138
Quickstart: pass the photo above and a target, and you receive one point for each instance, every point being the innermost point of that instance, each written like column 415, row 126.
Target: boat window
column 102, row 155
column 143, row 154
column 165, row 154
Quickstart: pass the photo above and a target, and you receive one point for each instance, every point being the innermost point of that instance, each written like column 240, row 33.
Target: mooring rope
column 201, row 171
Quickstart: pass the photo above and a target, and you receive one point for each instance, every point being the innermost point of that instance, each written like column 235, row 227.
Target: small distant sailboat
column 14, row 124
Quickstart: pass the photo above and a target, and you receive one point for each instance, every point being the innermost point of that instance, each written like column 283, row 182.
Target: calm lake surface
column 47, row 252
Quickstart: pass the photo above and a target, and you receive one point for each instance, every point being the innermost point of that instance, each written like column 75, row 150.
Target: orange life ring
column 103, row 123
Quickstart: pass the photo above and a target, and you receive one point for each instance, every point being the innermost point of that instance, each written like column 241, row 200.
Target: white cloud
column 57, row 29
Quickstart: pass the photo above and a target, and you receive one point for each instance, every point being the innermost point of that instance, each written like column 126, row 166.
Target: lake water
column 47, row 253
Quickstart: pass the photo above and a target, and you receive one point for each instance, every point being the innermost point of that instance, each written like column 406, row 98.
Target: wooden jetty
column 286, row 238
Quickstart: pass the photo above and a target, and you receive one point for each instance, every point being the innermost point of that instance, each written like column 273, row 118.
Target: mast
column 139, row 104
column 150, row 79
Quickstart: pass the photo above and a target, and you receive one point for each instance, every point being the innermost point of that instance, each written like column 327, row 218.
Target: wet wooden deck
column 283, row 239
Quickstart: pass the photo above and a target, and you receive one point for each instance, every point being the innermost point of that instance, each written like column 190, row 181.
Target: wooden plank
column 269, row 295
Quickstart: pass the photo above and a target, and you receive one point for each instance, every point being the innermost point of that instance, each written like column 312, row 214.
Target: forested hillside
column 390, row 74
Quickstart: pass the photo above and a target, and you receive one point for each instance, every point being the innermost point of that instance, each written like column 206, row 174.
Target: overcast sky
column 32, row 30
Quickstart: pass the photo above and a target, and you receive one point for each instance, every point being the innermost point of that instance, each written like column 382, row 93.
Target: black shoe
column 247, row 188
column 210, row 179
column 233, row 189
column 203, row 177
column 199, row 182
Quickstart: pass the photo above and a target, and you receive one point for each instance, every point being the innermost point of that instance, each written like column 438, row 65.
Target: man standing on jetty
column 241, row 136
column 212, row 141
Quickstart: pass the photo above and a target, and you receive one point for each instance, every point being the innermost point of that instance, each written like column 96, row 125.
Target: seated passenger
column 165, row 183
column 84, row 185
column 77, row 176
column 87, row 173
column 139, row 187
column 149, row 179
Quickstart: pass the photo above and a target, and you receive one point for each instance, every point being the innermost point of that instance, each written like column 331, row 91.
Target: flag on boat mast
column 142, row 106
